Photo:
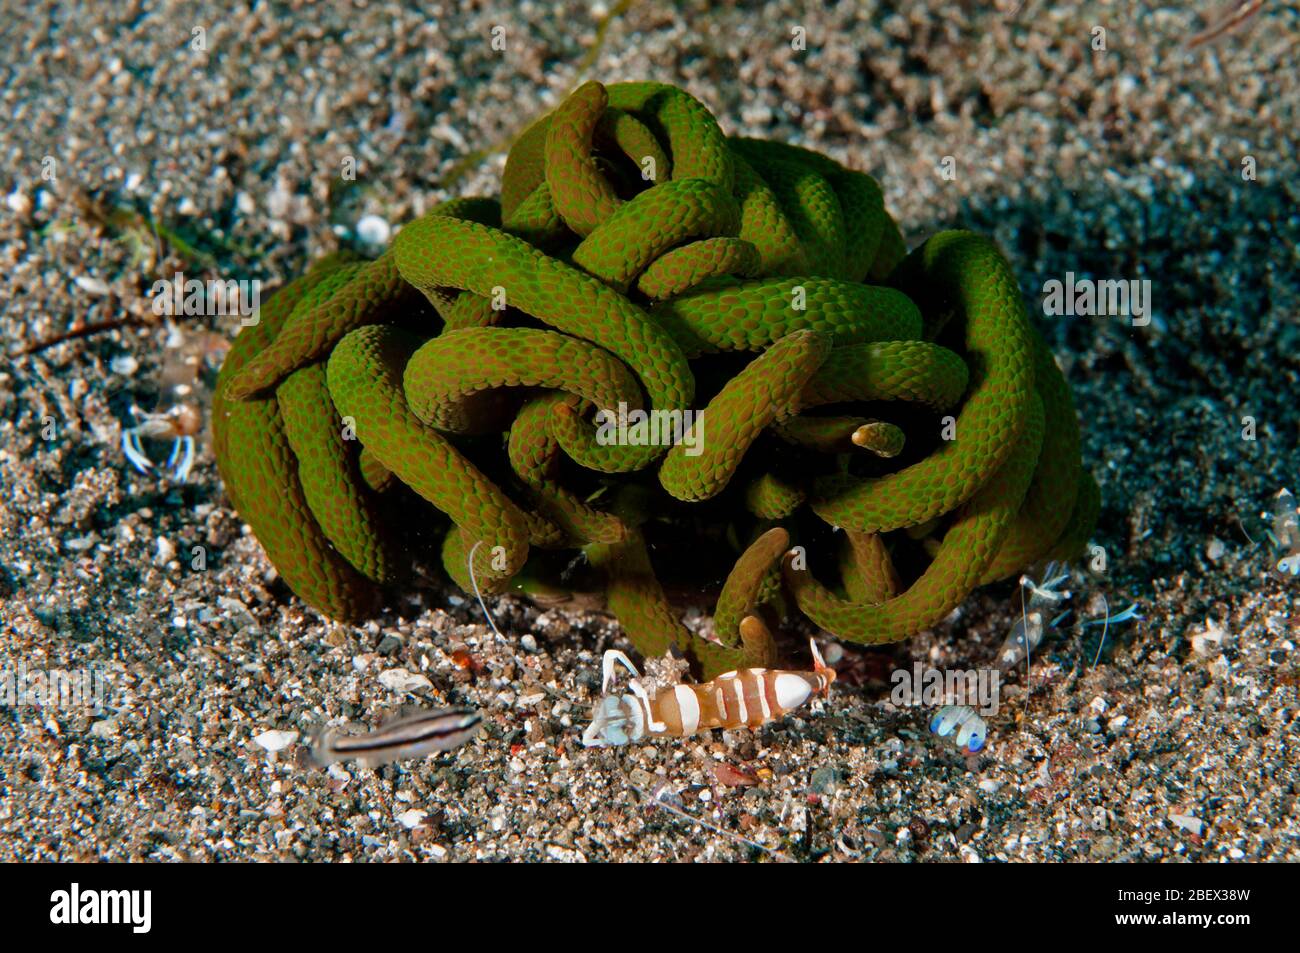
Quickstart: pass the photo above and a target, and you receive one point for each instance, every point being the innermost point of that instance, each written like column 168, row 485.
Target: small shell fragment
column 275, row 740
column 400, row 680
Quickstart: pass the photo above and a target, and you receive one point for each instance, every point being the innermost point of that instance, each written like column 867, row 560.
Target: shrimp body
column 746, row 698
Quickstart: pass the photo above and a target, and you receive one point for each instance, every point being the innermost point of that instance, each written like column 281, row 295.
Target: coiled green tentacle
column 519, row 365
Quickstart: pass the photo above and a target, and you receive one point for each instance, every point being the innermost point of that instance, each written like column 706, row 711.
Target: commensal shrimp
column 182, row 397
column 746, row 698
column 1285, row 533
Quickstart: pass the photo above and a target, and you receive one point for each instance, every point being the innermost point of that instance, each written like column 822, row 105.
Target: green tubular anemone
column 687, row 362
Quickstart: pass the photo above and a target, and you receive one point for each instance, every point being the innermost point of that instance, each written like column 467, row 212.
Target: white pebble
column 166, row 551
column 275, row 740
column 1209, row 641
column 400, row 680
column 1188, row 823
column 94, row 286
column 19, row 202
column 411, row 818
column 373, row 230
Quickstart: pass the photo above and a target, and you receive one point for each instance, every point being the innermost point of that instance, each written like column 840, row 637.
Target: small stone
column 1189, row 823
column 823, row 780
column 275, row 740
column 91, row 285
column 411, row 818
column 1211, row 640
column 400, row 680
column 731, row 777
column 19, row 203
column 1215, row 549
column 642, row 778
column 529, row 643
column 166, row 551
column 373, row 230
column 1104, row 848
column 389, row 644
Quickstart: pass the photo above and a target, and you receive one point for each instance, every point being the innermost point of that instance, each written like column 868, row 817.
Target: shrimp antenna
column 478, row 594
column 659, row 801
column 1029, row 679
column 1104, row 627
